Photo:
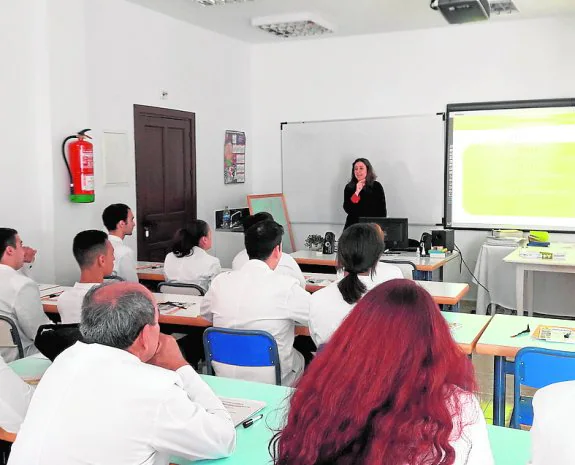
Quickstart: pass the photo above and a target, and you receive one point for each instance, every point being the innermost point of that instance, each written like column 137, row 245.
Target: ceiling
column 348, row 17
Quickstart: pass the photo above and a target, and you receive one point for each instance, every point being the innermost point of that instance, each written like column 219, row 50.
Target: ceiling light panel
column 293, row 25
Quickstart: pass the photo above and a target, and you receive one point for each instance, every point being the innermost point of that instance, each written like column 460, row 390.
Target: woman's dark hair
column 371, row 176
column 359, row 249
column 186, row 239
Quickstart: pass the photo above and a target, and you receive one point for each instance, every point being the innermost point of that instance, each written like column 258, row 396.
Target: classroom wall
column 415, row 72
column 82, row 64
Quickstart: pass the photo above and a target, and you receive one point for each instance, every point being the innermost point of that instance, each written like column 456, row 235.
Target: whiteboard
column 407, row 153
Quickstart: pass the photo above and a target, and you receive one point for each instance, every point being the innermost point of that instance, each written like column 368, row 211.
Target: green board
column 275, row 205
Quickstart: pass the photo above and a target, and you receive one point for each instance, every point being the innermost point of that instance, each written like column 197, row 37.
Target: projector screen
column 511, row 165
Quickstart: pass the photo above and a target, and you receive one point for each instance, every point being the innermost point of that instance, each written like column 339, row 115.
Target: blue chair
column 537, row 368
column 241, row 348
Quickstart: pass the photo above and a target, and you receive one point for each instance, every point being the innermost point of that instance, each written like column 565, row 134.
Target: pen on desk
column 251, row 421
column 50, row 296
column 525, row 331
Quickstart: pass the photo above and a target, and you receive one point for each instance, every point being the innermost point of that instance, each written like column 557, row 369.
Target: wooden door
column 165, row 177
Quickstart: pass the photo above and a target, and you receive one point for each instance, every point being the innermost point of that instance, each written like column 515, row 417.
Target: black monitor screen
column 395, row 229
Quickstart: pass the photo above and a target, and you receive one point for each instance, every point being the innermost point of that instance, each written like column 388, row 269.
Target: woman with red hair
column 391, row 387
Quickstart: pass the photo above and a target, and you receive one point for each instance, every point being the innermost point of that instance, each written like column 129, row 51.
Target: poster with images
column 235, row 157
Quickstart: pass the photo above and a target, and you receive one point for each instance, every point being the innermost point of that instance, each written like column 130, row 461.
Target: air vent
column 297, row 25
column 503, row 7
column 220, row 2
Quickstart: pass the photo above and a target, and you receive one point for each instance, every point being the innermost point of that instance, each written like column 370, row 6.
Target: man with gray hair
column 123, row 396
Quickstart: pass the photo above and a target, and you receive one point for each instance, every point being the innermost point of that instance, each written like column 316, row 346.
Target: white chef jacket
column 328, row 309
column 70, row 302
column 287, row 265
column 254, row 297
column 198, row 268
column 15, row 395
column 552, row 431
column 101, row 405
column 471, row 445
column 20, row 301
column 124, row 260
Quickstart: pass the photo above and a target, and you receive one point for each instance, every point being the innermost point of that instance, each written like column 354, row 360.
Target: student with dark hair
column 119, row 221
column 363, row 195
column 287, row 264
column 390, row 387
column 254, row 297
column 189, row 261
column 19, row 295
column 95, row 256
column 360, row 248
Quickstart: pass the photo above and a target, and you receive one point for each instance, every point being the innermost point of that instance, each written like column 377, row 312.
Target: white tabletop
column 567, row 248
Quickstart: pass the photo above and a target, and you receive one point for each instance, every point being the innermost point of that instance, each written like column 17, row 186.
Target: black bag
column 51, row 340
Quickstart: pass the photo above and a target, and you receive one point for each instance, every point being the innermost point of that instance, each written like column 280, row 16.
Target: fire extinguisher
column 80, row 165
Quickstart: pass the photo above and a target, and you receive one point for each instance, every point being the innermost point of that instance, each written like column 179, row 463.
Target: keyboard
column 406, row 249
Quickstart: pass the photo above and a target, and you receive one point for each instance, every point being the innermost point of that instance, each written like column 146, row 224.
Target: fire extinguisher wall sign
column 80, row 165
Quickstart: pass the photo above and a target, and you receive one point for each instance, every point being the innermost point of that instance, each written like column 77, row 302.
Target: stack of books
column 505, row 237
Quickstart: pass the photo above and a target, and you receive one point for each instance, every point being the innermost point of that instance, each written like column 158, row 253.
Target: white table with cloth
column 553, row 293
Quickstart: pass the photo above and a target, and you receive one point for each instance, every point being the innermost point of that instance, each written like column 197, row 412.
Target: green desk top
column 509, row 446
column 497, row 340
column 466, row 328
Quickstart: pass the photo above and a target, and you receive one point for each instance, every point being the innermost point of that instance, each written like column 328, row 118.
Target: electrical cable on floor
column 463, row 262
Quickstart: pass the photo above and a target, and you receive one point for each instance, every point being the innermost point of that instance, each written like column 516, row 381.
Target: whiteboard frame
column 271, row 196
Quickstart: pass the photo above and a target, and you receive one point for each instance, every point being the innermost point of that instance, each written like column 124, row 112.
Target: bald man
column 123, row 396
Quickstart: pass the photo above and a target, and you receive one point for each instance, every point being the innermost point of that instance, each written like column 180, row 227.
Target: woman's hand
column 359, row 187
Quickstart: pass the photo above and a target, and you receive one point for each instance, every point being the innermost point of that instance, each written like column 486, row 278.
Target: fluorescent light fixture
column 220, row 2
column 293, row 25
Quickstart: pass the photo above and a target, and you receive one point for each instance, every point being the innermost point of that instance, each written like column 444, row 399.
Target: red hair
column 382, row 389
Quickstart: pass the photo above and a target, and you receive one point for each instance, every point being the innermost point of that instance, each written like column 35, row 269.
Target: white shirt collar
column 87, row 286
column 6, row 267
column 255, row 263
column 116, row 239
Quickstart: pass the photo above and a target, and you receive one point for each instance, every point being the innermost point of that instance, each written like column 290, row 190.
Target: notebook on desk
column 241, row 409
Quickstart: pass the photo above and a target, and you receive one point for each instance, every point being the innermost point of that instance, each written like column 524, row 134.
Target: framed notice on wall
column 235, row 157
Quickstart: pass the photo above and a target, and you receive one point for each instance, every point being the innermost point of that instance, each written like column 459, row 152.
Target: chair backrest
column 236, row 352
column 407, row 268
column 176, row 287
column 537, row 368
column 9, row 337
column 113, row 278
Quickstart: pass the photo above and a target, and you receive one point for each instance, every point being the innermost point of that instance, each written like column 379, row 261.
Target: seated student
column 95, row 256
column 391, row 386
column 360, row 248
column 15, row 395
column 287, row 264
column 119, row 221
column 189, row 261
column 551, row 434
column 19, row 295
column 126, row 396
column 254, row 297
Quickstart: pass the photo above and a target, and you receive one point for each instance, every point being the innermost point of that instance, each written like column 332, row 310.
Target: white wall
column 72, row 64
column 415, row 72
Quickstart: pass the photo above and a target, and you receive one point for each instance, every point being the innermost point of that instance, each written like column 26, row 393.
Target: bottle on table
column 226, row 218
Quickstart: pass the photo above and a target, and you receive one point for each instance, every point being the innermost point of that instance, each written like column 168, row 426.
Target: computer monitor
column 395, row 229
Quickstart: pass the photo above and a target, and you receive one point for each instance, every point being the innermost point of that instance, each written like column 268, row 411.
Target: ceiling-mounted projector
column 463, row 11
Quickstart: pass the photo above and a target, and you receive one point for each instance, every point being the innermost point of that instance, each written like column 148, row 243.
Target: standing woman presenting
column 363, row 195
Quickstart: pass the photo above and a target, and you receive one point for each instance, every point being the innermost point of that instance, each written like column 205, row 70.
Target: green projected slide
column 520, row 180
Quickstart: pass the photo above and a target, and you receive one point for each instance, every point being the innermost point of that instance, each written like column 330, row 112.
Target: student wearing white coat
column 189, row 261
column 360, row 248
column 95, row 256
column 15, row 395
column 119, row 221
column 286, row 266
column 255, row 297
column 19, row 295
column 552, row 431
column 125, row 396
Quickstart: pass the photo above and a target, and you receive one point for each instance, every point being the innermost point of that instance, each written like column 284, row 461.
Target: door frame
column 143, row 111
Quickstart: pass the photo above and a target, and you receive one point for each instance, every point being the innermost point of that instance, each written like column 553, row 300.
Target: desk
column 510, row 447
column 425, row 265
column 150, row 271
column 524, row 268
column 496, row 340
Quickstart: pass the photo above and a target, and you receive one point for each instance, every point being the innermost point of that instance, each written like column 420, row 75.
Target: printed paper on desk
column 241, row 409
column 555, row 334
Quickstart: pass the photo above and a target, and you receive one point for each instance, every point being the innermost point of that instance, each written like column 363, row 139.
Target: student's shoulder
column 560, row 394
column 20, row 281
column 328, row 293
column 288, row 260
